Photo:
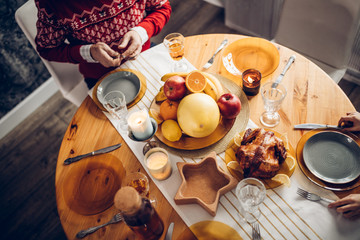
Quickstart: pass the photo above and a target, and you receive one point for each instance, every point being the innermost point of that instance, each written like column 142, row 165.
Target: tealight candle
column 158, row 163
column 140, row 125
column 251, row 79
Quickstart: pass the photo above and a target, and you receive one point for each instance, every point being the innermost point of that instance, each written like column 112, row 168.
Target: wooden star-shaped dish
column 203, row 183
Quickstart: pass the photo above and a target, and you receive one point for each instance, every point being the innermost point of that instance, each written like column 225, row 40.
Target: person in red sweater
column 97, row 34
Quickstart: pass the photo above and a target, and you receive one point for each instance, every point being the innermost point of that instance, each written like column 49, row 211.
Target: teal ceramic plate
column 126, row 82
column 332, row 157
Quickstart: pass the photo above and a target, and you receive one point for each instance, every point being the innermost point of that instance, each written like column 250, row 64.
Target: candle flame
column 250, row 80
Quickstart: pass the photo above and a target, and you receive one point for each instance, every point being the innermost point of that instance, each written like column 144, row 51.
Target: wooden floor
column 28, row 154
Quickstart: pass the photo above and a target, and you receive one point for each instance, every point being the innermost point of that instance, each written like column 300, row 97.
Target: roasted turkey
column 260, row 153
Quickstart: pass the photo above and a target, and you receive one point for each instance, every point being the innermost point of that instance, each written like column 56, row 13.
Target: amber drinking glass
column 174, row 42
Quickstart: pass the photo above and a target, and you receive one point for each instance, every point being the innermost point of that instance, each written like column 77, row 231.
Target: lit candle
column 157, row 161
column 251, row 79
column 140, row 125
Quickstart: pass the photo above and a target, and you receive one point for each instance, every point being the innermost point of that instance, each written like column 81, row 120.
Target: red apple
column 175, row 88
column 229, row 105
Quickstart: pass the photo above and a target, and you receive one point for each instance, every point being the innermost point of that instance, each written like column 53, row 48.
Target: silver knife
column 100, row 151
column 314, row 126
column 280, row 77
column 169, row 232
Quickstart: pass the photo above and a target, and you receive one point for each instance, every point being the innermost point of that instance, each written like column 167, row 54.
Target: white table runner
column 285, row 215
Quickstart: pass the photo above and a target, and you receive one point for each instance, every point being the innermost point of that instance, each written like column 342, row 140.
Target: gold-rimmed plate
column 317, row 181
column 252, row 52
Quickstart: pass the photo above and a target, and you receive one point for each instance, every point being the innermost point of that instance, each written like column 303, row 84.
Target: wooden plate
column 251, row 52
column 191, row 143
column 284, row 168
column 311, row 176
column 89, row 186
column 134, row 100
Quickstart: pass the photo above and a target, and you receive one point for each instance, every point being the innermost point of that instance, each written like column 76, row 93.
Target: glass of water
column 272, row 97
column 251, row 193
column 115, row 103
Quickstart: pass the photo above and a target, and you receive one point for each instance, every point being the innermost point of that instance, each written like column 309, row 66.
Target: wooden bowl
column 203, row 183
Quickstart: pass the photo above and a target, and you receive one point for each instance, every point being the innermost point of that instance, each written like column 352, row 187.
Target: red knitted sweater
column 89, row 21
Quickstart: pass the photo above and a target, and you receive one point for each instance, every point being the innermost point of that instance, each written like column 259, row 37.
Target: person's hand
column 105, row 55
column 131, row 43
column 349, row 206
column 350, row 122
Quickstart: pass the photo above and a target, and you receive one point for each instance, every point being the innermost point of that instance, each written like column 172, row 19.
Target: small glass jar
column 251, row 80
column 158, row 163
column 139, row 214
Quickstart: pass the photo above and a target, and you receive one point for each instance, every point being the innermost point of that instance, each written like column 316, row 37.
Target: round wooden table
column 312, row 97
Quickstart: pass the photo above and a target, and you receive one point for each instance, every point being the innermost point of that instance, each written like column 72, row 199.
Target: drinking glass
column 251, row 193
column 273, row 97
column 115, row 104
column 174, row 42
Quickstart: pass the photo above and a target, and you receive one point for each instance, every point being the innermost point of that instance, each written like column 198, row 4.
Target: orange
column 195, row 82
column 168, row 109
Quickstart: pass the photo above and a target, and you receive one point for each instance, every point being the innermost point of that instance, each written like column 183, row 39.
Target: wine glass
column 251, row 193
column 115, row 103
column 273, row 97
column 174, row 42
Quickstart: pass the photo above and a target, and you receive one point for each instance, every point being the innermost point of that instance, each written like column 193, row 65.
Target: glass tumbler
column 115, row 103
column 251, row 193
column 272, row 97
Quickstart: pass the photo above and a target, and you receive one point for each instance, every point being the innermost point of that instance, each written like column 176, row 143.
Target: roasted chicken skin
column 260, row 153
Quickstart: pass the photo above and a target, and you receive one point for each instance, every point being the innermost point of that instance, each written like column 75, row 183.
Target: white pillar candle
column 140, row 125
column 158, row 163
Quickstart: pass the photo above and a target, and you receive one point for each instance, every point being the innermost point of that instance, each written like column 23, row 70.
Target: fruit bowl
column 187, row 142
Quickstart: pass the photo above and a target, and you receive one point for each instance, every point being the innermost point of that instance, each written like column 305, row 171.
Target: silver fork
column 256, row 231
column 211, row 60
column 116, row 218
column 311, row 196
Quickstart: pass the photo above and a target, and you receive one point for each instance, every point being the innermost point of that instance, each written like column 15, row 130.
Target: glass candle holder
column 251, row 79
column 158, row 163
column 140, row 125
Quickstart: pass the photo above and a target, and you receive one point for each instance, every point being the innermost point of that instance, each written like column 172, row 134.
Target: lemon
column 237, row 139
column 234, row 165
column 290, row 162
column 171, row 131
column 155, row 114
column 282, row 178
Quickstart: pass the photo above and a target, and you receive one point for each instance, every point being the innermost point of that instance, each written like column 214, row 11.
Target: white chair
column 322, row 30
column 66, row 75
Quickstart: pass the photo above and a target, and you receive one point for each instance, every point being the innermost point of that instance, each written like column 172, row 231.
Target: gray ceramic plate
column 126, row 82
column 332, row 157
